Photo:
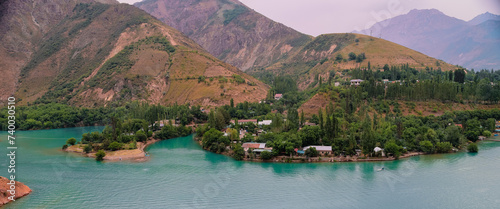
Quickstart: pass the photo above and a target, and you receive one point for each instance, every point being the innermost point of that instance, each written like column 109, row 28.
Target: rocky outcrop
column 21, row 190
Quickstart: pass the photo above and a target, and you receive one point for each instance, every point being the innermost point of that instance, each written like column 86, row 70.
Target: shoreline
column 335, row 159
column 135, row 155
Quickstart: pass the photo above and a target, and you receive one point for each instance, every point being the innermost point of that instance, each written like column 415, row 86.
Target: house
column 356, row 82
column 265, row 123
column 241, row 122
column 459, row 125
column 337, row 84
column 385, row 81
column 321, row 149
column 278, row 96
column 253, row 145
column 310, row 124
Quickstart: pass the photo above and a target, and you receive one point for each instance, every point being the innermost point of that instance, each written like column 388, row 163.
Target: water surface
column 181, row 175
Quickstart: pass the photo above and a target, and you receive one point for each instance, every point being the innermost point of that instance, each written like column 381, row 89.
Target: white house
column 356, row 82
column 321, row 149
column 265, row 123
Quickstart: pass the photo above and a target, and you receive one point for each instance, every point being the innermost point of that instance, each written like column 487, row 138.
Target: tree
column 115, row 146
column 339, row 57
column 302, row 119
column 311, row 152
column 71, row 141
column 64, row 147
column 444, row 147
column 293, row 119
column 320, row 117
column 238, row 152
column 310, row 135
column 352, row 56
column 459, row 75
column 265, row 155
column 452, row 135
column 87, row 148
column 210, row 139
column 391, row 147
column 141, row 136
column 231, row 103
column 427, row 147
column 99, row 156
column 486, row 133
column 472, row 148
column 211, row 119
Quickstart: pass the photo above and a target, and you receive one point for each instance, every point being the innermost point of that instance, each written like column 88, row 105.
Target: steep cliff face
column 229, row 30
column 23, row 23
column 98, row 54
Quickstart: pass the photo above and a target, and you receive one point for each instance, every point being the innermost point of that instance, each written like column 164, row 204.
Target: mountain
column 86, row 53
column 483, row 18
column 474, row 44
column 320, row 57
column 229, row 30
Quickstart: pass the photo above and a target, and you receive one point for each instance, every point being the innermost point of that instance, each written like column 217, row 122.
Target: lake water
column 182, row 175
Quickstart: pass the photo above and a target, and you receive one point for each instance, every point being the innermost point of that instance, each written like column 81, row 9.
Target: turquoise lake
column 182, row 175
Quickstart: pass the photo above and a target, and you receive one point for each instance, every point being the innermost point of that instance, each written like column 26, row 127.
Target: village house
column 265, row 123
column 241, row 122
column 278, row 96
column 256, row 147
column 321, row 149
column 356, row 82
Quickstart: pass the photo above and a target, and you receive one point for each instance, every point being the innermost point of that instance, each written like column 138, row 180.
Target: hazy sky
column 316, row 17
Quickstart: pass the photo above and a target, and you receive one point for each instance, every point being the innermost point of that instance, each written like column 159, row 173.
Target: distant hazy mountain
column 474, row 44
column 483, row 18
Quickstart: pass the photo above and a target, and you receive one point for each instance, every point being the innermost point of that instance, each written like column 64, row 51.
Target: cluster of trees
column 51, row 116
column 55, row 115
column 457, row 86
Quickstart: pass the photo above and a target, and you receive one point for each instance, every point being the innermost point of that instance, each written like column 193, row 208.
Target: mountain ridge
column 100, row 54
column 450, row 39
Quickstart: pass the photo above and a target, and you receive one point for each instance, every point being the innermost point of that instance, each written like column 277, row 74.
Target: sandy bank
column 137, row 155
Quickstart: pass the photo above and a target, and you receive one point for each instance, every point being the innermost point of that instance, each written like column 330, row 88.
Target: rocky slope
column 319, row 58
column 21, row 190
column 229, row 30
column 474, row 44
column 98, row 54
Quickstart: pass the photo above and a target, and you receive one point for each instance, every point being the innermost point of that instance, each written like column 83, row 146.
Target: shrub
column 427, row 146
column 486, row 133
column 99, row 156
column 266, row 155
column 352, row 56
column 87, row 148
column 115, row 146
column 71, row 141
column 311, row 152
column 141, row 136
column 444, row 147
column 473, row 148
column 65, row 147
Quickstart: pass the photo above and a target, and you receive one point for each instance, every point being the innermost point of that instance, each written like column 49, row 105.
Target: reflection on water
column 181, row 175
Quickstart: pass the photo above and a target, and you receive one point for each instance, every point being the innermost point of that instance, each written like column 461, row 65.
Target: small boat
column 381, row 169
